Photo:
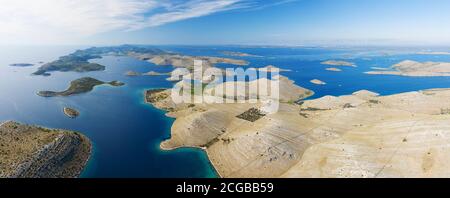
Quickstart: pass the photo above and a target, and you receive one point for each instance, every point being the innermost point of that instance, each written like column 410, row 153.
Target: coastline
column 172, row 149
column 290, row 93
column 203, row 149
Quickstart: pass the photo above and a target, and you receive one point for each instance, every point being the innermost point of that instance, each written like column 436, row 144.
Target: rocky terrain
column 358, row 135
column 36, row 152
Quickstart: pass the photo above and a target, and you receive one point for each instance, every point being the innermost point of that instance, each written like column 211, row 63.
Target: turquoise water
column 126, row 132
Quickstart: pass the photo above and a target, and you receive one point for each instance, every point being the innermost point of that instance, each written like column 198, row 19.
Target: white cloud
column 43, row 21
column 68, row 21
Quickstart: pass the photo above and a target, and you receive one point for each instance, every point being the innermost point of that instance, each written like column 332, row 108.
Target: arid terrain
column 36, row 152
column 358, row 135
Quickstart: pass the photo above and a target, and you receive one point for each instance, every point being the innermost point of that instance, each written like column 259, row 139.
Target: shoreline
column 167, row 149
column 203, row 149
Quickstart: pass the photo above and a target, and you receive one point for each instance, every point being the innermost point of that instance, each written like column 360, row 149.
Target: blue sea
column 126, row 132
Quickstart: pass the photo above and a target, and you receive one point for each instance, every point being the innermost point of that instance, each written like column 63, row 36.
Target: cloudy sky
column 223, row 21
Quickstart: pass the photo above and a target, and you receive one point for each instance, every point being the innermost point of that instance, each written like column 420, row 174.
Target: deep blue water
column 126, row 132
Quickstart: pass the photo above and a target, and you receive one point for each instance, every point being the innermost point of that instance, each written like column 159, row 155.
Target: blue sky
column 206, row 22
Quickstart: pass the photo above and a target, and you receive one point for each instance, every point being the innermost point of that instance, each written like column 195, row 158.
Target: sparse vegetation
column 251, row 115
column 29, row 151
column 445, row 111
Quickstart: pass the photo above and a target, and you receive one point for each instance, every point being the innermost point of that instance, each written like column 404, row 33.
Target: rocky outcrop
column 36, row 152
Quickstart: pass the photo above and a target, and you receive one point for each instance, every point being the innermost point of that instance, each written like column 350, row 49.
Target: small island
column 333, row 69
column 132, row 73
column 380, row 68
column 37, row 152
column 153, row 73
column 21, row 65
column 79, row 86
column 338, row 63
column 150, row 73
column 238, row 54
column 71, row 113
column 318, row 82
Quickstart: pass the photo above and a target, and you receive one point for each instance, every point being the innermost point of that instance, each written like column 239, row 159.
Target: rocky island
column 150, row 73
column 318, row 82
column 153, row 73
column 70, row 112
column 79, row 86
column 132, row 73
column 333, row 69
column 414, row 68
column 338, row 63
column 36, row 152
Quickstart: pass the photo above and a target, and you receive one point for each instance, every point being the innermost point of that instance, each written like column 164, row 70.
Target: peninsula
column 414, row 68
column 79, row 86
column 36, row 152
column 357, row 135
